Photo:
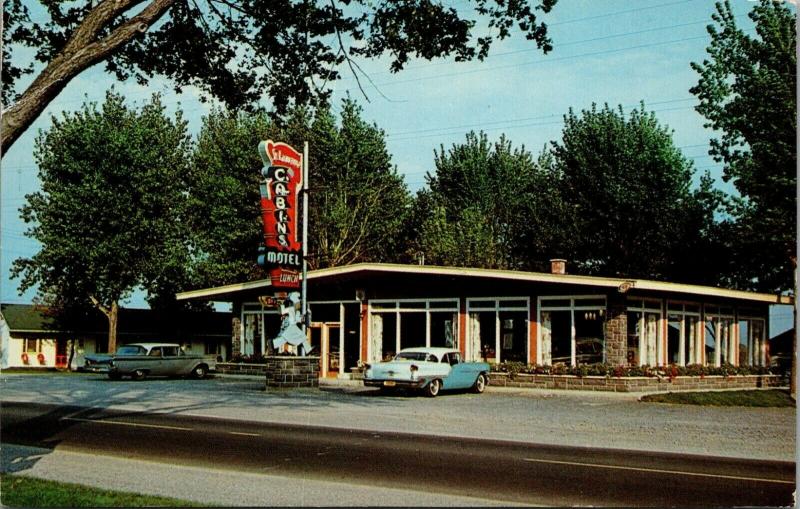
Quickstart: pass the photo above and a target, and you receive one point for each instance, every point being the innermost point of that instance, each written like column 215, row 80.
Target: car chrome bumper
column 400, row 384
column 97, row 369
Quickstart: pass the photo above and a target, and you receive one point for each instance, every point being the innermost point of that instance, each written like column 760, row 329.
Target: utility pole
column 304, row 298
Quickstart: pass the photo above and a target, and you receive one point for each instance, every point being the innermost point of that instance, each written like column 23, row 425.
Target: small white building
column 30, row 337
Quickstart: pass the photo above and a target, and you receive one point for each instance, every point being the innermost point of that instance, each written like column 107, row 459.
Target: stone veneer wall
column 634, row 384
column 616, row 340
column 283, row 371
column 236, row 335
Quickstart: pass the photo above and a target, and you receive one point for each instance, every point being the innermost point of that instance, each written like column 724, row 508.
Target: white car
column 429, row 370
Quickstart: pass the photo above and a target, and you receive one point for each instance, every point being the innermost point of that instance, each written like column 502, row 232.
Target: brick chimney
column 558, row 266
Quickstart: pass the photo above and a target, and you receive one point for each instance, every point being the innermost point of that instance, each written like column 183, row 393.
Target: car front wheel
column 480, row 384
column 432, row 389
column 139, row 374
column 200, row 372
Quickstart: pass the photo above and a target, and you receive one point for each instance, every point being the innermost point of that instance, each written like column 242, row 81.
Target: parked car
column 429, row 370
column 141, row 360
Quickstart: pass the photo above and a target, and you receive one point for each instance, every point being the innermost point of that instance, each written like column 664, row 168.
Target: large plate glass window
column 644, row 333
column 752, row 350
column 398, row 324
column 498, row 329
column 572, row 330
column 720, row 344
column 683, row 335
column 259, row 326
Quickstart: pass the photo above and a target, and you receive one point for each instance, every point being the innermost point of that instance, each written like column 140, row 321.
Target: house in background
column 367, row 312
column 31, row 337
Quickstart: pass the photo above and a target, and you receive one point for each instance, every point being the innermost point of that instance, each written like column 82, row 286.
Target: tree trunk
column 112, row 328
column 82, row 51
column 71, row 354
column 111, row 313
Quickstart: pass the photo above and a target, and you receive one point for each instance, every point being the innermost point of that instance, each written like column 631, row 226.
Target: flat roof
column 229, row 291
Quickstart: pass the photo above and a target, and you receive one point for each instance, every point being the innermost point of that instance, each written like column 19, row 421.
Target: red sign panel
column 280, row 211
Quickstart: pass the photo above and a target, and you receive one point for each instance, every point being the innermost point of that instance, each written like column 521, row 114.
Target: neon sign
column 280, row 189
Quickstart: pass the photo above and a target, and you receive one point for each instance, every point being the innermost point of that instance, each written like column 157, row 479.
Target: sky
column 620, row 52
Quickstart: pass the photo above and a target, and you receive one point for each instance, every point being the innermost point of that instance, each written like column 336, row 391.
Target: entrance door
column 325, row 338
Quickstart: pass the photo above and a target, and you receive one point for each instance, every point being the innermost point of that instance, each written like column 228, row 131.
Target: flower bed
column 604, row 377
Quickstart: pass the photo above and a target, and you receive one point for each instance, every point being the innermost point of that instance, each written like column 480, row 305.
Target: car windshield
column 130, row 350
column 415, row 356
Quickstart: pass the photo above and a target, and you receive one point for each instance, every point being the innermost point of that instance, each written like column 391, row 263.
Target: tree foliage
column 747, row 91
column 629, row 189
column 109, row 214
column 239, row 51
column 490, row 205
column 358, row 202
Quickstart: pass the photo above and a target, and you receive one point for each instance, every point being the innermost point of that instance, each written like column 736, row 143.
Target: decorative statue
column 290, row 331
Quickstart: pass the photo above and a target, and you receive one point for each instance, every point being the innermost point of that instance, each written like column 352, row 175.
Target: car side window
column 455, row 358
column 446, row 358
column 155, row 352
column 170, row 351
column 431, row 358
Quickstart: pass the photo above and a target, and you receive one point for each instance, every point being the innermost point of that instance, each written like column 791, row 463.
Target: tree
column 239, row 51
column 358, row 202
column 110, row 213
column 629, row 187
column 490, row 205
column 747, row 91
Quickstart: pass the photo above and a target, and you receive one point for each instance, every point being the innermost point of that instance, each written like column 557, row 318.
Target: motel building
column 367, row 312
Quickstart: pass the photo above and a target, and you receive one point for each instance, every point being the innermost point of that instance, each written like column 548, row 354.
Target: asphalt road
column 489, row 469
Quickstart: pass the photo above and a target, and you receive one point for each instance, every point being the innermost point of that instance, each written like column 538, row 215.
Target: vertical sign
column 280, row 189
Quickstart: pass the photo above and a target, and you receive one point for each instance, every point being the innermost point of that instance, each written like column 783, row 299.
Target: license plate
column 388, row 383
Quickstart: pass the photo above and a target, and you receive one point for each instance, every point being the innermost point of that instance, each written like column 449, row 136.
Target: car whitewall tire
column 432, row 389
column 480, row 384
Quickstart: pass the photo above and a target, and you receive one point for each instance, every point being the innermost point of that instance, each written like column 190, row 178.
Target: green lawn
column 751, row 398
column 21, row 491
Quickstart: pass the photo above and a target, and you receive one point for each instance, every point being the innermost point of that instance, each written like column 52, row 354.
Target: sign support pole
column 304, row 290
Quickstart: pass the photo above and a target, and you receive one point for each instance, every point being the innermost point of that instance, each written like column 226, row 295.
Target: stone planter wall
column 283, row 372
column 239, row 368
column 634, row 384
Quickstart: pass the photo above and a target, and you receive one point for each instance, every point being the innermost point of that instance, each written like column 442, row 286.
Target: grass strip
column 746, row 398
column 22, row 491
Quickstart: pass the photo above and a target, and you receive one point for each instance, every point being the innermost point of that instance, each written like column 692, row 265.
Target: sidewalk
column 210, row 486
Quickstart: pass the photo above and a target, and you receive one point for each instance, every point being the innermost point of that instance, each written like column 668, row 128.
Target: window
column 751, row 345
column 720, row 346
column 443, row 329
column 644, row 333
column 395, row 325
column 498, row 329
column 171, row 351
column 130, row 350
column 572, row 330
column 683, row 335
column 155, row 352
column 31, row 346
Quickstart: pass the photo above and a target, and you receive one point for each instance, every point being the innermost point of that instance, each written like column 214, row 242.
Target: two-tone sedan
column 141, row 360
column 429, row 370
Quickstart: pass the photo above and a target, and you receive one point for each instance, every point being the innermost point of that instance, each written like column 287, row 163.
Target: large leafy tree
column 490, row 205
column 747, row 91
column 358, row 202
column 630, row 190
column 110, row 213
column 239, row 51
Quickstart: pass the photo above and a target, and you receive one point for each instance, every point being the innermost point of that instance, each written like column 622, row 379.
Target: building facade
column 367, row 312
column 31, row 338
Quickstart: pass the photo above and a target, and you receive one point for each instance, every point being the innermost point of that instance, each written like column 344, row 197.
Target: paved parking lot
column 567, row 417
